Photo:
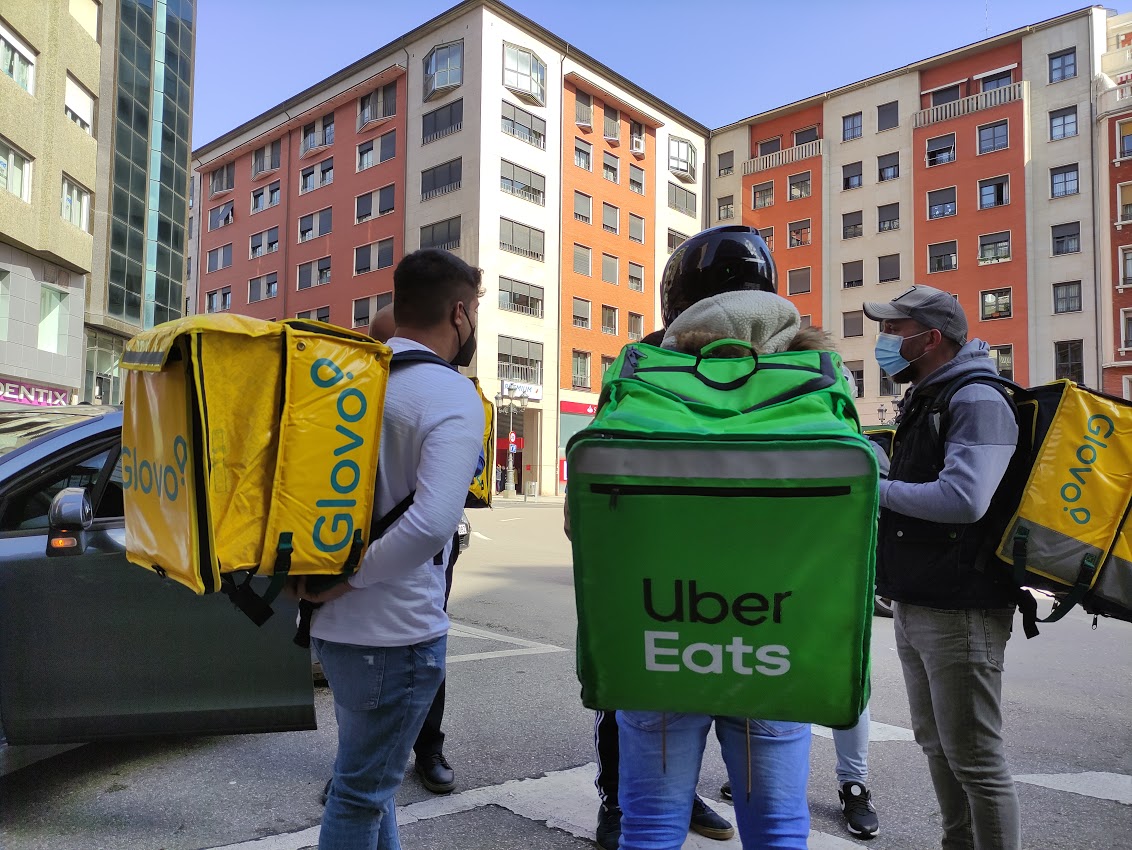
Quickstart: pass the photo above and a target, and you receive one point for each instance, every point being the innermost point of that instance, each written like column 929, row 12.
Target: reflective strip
column 757, row 461
column 1115, row 582
column 1050, row 553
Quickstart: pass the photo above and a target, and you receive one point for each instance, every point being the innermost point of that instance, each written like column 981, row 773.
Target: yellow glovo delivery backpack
column 251, row 447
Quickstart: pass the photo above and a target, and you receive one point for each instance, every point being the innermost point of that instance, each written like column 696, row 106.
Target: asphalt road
column 522, row 744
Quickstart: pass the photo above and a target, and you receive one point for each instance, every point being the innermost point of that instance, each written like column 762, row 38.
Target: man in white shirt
column 381, row 635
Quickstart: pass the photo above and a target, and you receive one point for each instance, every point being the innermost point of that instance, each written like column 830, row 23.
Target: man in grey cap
column 953, row 612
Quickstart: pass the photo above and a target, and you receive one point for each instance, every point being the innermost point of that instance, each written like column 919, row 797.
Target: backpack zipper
column 615, row 491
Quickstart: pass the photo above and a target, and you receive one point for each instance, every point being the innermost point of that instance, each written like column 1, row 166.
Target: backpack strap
column 939, row 415
column 417, row 355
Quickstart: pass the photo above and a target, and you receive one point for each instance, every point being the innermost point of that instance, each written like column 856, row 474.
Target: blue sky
column 716, row 60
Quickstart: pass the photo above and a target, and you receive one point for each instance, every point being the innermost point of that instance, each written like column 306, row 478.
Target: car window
column 28, row 507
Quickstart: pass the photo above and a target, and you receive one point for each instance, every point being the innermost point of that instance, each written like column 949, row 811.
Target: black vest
column 930, row 563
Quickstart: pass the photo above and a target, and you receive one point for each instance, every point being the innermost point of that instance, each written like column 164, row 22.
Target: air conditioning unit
column 637, row 144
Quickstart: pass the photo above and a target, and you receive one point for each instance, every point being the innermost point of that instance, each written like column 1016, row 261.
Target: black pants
column 607, row 749
column 431, row 739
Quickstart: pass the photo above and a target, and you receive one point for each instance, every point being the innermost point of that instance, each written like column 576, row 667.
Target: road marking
column 1102, row 786
column 563, row 799
column 512, row 519
column 525, row 647
column 877, row 732
column 480, row 536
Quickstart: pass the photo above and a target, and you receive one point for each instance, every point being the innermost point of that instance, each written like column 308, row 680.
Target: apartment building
column 976, row 171
column 483, row 134
column 94, row 154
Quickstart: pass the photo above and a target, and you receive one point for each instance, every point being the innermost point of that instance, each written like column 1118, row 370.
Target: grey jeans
column 953, row 671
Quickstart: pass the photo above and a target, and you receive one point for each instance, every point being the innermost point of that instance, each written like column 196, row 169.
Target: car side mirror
column 69, row 518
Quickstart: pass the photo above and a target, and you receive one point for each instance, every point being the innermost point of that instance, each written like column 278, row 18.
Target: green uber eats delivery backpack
column 723, row 515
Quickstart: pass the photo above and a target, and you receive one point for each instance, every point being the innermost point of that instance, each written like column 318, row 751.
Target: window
column 995, row 304
column 218, row 300
column 608, row 319
column 264, row 242
column 376, row 255
column 1063, row 65
column 581, row 260
column 221, row 216
column 941, row 149
column 888, row 217
column 223, row 179
column 317, row 134
column 377, row 105
column 851, row 225
column 799, row 186
column 725, row 207
column 1126, row 331
column 444, row 235
column 523, row 183
column 797, row 281
column 524, row 74
column 316, row 176
column 941, row 203
column 76, row 204
column 637, row 179
column 637, row 137
column 997, row 81
column 853, row 324
column 636, row 229
column 767, row 233
column 681, row 200
column 520, row 360
column 726, row 163
column 610, row 218
column 1063, row 181
column 947, row 95
column 266, row 159
column 364, row 204
column 888, row 115
column 994, row 192
column 315, row 224
column 524, row 126
column 1003, row 357
column 442, row 179
column 442, row 122
column 762, row 195
column 851, row 126
column 1066, row 238
column 262, row 288
column 17, row 60
column 942, row 257
column 1063, row 123
column 582, row 154
column 853, row 274
column 610, row 267
column 851, row 176
column 518, row 297
column 314, row 273
column 386, row 150
column 804, row 137
column 583, row 207
column 636, row 280
column 611, row 167
column 521, row 239
column 54, row 320
column 443, row 69
column 675, row 240
column 857, row 370
column 1067, row 297
column 888, row 166
column 682, row 158
column 611, row 124
column 322, row 314
column 220, row 258
column 86, row 13
column 1124, row 130
column 993, row 137
column 580, row 370
column 265, row 196
column 1069, row 360
column 636, row 327
column 1126, row 262
column 888, row 268
column 799, row 233
column 78, row 105
column 581, row 313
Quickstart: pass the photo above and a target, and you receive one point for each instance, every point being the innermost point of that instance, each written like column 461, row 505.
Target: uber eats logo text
column 335, row 526
column 665, row 652
column 153, row 476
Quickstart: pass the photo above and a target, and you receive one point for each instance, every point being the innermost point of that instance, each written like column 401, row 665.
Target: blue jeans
column 660, row 766
column 853, row 751
column 381, row 697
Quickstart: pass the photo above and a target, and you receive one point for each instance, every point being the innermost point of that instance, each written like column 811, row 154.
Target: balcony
column 533, row 308
column 441, row 190
column 584, row 115
column 375, row 113
column 518, row 373
column 525, row 134
column 522, row 252
column 580, row 382
column 450, row 245
column 968, row 105
column 637, row 145
column 440, row 134
column 524, row 192
column 784, row 157
column 612, row 132
column 314, row 141
column 996, row 253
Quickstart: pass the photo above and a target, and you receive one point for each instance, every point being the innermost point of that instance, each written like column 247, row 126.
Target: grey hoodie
column 980, row 442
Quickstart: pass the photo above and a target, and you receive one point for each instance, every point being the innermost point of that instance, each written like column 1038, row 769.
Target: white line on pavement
column 1103, row 786
column 526, row 647
column 512, row 519
column 502, row 653
column 481, row 536
column 877, row 732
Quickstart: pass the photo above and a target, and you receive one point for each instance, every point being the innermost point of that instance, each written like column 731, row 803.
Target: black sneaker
column 608, row 834
column 436, row 773
column 725, row 790
column 709, row 823
column 857, row 807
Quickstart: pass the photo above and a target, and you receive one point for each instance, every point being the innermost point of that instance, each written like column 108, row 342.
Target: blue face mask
column 888, row 353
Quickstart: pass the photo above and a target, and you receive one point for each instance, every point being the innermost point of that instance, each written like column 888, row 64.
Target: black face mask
column 467, row 348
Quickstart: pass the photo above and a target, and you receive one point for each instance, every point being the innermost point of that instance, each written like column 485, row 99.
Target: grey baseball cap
column 931, row 307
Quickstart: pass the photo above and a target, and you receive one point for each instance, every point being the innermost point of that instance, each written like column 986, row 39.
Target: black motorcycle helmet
column 720, row 259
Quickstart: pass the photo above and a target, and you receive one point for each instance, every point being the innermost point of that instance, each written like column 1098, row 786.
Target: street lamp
column 509, row 401
column 882, row 411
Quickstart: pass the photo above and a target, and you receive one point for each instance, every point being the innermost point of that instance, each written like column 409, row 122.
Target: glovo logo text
column 334, row 527
column 1087, row 454
column 153, row 477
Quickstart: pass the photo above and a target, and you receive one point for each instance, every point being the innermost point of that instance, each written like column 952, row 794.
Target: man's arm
column 980, row 442
column 449, row 455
